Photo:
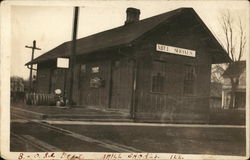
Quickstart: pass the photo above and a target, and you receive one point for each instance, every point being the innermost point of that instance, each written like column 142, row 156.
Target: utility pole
column 31, row 66
column 72, row 57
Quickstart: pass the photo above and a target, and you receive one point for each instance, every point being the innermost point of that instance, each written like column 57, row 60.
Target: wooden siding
column 58, row 79
column 95, row 96
column 77, row 82
column 173, row 104
column 121, row 82
column 117, row 89
column 168, row 108
column 44, row 77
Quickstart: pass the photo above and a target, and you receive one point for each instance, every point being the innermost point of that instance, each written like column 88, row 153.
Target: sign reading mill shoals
column 175, row 50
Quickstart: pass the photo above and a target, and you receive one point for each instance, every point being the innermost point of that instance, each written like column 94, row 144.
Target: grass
column 227, row 116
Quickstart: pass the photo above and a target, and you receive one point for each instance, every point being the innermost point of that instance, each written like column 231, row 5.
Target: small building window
column 95, row 69
column 158, row 83
column 83, row 68
column 189, row 78
column 158, row 76
column 96, row 82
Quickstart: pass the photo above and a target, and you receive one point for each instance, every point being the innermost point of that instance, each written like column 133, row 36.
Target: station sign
column 62, row 62
column 175, row 50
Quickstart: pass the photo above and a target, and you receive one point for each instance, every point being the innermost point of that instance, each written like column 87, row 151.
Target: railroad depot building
column 155, row 69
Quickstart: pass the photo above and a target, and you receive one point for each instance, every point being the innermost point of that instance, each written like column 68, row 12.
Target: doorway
column 121, row 85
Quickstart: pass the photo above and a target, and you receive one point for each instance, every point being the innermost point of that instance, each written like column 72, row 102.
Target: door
column 58, row 80
column 121, row 85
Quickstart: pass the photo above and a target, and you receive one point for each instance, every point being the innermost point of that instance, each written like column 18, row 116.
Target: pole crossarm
column 33, row 47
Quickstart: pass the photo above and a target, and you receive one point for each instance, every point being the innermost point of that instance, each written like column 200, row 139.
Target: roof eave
column 224, row 59
column 128, row 44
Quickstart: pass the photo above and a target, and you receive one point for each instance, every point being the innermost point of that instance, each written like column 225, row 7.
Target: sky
column 52, row 25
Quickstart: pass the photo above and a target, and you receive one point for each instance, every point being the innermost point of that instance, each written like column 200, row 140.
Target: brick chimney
column 133, row 15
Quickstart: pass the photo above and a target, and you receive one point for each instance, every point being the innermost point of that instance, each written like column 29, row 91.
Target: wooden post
column 31, row 66
column 64, row 84
column 72, row 58
column 110, row 83
column 134, row 93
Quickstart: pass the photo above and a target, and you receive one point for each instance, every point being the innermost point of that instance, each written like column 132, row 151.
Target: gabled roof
column 123, row 35
column 235, row 69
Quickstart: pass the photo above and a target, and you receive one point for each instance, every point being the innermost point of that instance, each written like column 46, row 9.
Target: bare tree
column 234, row 41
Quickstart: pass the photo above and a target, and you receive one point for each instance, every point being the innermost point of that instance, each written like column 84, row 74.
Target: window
column 189, row 79
column 96, row 82
column 95, row 69
column 83, row 68
column 158, row 83
column 158, row 76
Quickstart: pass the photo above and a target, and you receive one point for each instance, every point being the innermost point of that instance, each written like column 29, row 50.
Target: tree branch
column 242, row 40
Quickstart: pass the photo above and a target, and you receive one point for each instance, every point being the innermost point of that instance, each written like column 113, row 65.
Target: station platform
column 95, row 114
column 84, row 113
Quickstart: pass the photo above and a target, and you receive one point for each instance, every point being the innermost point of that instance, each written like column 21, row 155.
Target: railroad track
column 48, row 147
column 39, row 145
